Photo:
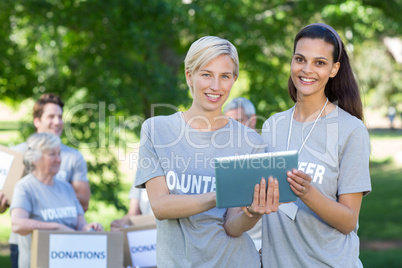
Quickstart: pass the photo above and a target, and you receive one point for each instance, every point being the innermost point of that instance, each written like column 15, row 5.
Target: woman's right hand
column 264, row 201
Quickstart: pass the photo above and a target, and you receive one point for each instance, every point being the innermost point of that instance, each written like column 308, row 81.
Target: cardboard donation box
column 52, row 249
column 140, row 241
column 11, row 170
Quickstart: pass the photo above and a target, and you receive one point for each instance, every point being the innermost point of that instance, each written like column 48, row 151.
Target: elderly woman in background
column 40, row 200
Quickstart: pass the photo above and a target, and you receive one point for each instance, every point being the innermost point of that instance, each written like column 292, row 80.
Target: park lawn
column 384, row 258
column 380, row 215
column 385, row 134
column 5, row 260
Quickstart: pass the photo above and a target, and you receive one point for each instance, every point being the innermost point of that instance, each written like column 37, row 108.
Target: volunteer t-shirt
column 49, row 203
column 171, row 148
column 336, row 156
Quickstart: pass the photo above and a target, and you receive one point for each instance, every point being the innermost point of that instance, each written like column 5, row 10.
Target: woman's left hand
column 299, row 182
column 93, row 226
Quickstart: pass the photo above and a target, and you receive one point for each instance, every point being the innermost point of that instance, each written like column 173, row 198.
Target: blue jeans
column 14, row 255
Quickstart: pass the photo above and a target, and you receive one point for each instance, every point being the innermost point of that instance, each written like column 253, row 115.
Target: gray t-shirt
column 56, row 203
column 336, row 156
column 72, row 168
column 171, row 148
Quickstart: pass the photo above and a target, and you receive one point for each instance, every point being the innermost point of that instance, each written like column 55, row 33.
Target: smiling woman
column 183, row 197
column 311, row 68
column 326, row 127
column 211, row 68
column 210, row 87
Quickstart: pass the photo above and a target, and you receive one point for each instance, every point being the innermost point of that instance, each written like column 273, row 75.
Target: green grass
column 385, row 134
column 5, row 261
column 388, row 258
column 380, row 215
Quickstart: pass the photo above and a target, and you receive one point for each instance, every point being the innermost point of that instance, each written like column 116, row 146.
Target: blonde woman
column 176, row 167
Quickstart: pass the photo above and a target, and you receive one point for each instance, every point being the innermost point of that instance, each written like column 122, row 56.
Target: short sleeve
column 80, row 169
column 148, row 165
column 354, row 174
column 21, row 198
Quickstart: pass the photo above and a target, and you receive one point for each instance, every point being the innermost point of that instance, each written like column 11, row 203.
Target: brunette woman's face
column 211, row 84
column 311, row 67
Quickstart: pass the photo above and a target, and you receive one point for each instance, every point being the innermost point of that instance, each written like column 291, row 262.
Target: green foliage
column 85, row 129
column 130, row 53
column 16, row 76
column 379, row 75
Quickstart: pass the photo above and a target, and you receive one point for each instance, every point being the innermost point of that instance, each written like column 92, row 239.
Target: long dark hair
column 342, row 88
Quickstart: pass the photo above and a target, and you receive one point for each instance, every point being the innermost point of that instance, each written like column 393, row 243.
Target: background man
column 241, row 110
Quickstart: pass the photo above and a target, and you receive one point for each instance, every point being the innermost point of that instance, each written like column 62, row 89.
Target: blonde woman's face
column 212, row 83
